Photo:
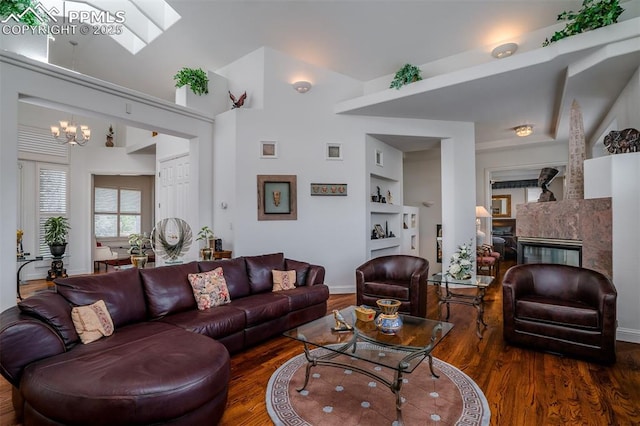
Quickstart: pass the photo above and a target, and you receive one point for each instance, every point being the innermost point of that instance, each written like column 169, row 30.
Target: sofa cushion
column 260, row 308
column 556, row 311
column 259, row 270
column 215, row 322
column 146, row 373
column 301, row 268
column 235, row 273
column 283, row 280
column 168, row 290
column 121, row 292
column 209, row 289
column 92, row 322
column 55, row 310
column 303, row 297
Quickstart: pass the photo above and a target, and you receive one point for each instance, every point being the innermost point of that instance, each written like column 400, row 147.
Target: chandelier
column 69, row 133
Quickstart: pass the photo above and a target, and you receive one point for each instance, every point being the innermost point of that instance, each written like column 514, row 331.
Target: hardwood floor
column 523, row 387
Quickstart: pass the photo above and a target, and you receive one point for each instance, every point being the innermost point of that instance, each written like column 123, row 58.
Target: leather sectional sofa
column 166, row 362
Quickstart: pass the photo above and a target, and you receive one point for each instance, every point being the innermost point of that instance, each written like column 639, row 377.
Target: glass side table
column 447, row 296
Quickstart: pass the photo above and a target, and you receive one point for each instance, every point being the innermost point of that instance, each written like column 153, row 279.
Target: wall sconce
column 504, row 50
column 302, row 86
column 524, row 130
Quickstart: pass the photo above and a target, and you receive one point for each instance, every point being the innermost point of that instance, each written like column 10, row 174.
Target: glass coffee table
column 409, row 346
column 446, row 297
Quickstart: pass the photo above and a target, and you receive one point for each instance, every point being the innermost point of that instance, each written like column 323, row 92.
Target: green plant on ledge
column 594, row 14
column 405, row 75
column 196, row 79
column 16, row 7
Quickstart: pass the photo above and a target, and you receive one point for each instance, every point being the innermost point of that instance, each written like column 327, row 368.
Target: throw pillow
column 92, row 322
column 283, row 280
column 209, row 288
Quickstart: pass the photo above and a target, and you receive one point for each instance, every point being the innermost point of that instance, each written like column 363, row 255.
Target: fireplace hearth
column 546, row 250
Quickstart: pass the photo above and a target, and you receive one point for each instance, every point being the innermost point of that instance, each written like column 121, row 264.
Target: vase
column 388, row 322
column 139, row 261
column 207, row 253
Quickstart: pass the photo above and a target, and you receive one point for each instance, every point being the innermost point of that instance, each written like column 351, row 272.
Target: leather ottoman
column 147, row 373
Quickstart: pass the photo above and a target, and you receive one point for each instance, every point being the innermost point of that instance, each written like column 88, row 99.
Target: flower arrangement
column 461, row 263
column 140, row 243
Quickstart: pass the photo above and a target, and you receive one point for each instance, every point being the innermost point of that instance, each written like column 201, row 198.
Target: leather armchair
column 399, row 277
column 560, row 308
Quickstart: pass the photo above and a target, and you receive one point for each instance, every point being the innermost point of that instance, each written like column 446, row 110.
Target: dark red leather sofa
column 167, row 362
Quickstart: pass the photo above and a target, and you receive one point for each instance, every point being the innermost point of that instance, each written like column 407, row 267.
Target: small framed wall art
column 334, row 151
column 268, row 149
column 277, row 197
column 328, row 189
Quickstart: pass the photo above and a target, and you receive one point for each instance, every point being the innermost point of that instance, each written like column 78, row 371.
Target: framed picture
column 439, row 243
column 268, row 149
column 379, row 231
column 277, row 197
column 378, row 157
column 328, row 189
column 334, row 151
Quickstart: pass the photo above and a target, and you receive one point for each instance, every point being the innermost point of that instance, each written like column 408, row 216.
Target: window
column 52, row 198
column 117, row 212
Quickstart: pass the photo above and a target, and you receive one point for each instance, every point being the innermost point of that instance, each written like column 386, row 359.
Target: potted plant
column 594, row 14
column 139, row 243
column 405, row 75
column 196, row 79
column 206, row 234
column 56, row 230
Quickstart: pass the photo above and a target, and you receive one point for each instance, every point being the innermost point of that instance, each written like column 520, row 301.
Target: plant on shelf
column 196, row 79
column 34, row 17
column 594, row 14
column 461, row 263
column 56, row 230
column 405, row 75
column 206, row 235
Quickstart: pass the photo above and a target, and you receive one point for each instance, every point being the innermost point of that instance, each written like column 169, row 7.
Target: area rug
column 337, row 396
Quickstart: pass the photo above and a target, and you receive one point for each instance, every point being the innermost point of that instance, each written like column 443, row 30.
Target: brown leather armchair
column 560, row 308
column 399, row 277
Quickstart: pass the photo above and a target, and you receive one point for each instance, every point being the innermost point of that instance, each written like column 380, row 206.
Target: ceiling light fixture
column 71, row 135
column 302, row 86
column 504, row 50
column 524, row 130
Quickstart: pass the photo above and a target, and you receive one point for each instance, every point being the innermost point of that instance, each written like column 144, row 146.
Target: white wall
column 330, row 231
column 624, row 114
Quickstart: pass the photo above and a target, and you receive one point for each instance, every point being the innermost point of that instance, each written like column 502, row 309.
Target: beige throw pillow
column 92, row 322
column 284, row 280
column 210, row 288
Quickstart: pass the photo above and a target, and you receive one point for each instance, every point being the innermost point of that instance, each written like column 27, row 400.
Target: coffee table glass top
column 480, row 281
column 417, row 335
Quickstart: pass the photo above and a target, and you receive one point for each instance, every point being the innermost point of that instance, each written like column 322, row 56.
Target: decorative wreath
column 171, row 238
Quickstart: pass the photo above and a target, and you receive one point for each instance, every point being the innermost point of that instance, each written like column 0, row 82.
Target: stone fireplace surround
column 589, row 221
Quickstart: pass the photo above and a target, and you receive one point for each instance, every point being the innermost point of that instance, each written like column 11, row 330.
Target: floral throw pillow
column 284, row 280
column 210, row 288
column 92, row 322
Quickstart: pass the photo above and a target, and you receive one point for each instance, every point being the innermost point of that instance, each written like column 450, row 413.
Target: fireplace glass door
column 549, row 251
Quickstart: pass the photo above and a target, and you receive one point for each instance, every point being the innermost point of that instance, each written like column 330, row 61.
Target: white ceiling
column 370, row 40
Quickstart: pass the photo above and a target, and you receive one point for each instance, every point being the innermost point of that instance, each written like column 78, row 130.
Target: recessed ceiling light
column 504, row 50
column 524, row 130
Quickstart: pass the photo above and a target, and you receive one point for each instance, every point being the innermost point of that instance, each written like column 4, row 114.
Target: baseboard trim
column 341, row 289
column 628, row 335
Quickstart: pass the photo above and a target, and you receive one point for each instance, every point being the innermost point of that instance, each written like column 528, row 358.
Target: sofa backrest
column 235, row 274
column 259, row 271
column 121, row 292
column 168, row 290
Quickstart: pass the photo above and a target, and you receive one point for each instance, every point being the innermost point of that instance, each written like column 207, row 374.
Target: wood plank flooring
column 523, row 387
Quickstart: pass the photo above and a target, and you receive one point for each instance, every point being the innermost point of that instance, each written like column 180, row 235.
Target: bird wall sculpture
column 237, row 103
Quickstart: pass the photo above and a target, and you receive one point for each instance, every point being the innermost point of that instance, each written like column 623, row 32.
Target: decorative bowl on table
column 364, row 313
column 388, row 322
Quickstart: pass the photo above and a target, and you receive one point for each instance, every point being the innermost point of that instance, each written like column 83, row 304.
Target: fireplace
column 548, row 250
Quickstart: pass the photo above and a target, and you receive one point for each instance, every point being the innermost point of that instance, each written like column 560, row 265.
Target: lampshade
column 481, row 211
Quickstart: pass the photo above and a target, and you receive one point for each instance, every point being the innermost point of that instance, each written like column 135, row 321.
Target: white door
column 173, row 188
